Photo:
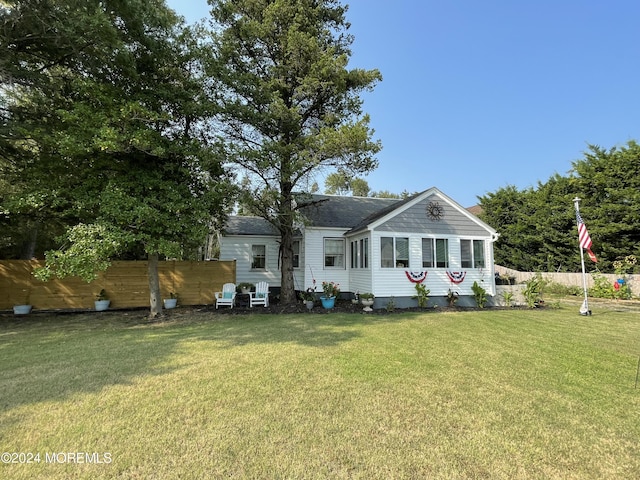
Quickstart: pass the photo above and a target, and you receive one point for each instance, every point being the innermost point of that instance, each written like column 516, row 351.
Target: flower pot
column 309, row 304
column 102, row 305
column 245, row 291
column 328, row 302
column 367, row 302
column 21, row 309
column 170, row 303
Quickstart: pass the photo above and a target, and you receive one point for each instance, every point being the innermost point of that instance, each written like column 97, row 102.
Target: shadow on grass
column 49, row 357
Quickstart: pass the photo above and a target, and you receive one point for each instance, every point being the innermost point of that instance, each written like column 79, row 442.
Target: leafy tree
column 106, row 117
column 538, row 226
column 387, row 194
column 505, row 210
column 360, row 187
column 291, row 107
column 339, row 183
column 608, row 182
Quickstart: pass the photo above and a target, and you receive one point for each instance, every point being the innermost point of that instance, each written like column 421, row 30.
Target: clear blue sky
column 480, row 95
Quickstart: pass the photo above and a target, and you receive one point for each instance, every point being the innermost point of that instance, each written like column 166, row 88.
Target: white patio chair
column 227, row 296
column 260, row 296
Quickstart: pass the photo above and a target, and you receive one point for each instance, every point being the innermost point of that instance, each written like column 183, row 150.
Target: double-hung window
column 428, row 252
column 435, row 253
column 354, row 254
column 442, row 253
column 258, row 257
column 472, row 253
column 360, row 253
column 364, row 253
column 296, row 254
column 394, row 252
column 334, row 253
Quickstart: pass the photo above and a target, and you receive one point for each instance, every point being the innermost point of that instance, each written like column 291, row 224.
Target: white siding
column 394, row 282
column 314, row 259
column 360, row 279
column 239, row 248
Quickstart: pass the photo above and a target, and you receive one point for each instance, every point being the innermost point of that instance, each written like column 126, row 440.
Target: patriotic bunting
column 416, row 277
column 456, row 277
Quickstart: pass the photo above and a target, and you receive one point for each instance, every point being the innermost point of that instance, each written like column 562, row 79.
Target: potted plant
column 309, row 297
column 330, row 291
column 245, row 287
column 24, row 308
column 367, row 299
column 102, row 301
column 172, row 301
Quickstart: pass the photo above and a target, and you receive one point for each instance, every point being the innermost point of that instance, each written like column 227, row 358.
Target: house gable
column 433, row 212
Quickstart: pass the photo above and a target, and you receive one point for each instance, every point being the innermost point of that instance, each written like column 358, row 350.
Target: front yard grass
column 479, row 394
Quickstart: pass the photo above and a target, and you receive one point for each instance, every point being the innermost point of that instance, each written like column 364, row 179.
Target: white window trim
column 324, row 254
column 395, row 260
column 259, row 269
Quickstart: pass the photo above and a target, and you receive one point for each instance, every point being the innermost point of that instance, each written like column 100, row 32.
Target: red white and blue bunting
column 456, row 277
column 416, row 277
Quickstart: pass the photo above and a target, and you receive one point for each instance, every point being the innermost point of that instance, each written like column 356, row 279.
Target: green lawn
column 478, row 394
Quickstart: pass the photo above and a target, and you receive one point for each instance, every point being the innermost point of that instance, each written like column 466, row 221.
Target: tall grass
column 482, row 394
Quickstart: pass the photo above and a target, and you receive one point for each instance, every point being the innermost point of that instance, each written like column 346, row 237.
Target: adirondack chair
column 260, row 296
column 227, row 296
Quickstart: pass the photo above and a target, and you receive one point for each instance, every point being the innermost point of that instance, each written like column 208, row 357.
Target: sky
column 480, row 95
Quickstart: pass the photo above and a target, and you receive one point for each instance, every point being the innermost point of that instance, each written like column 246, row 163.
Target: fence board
column 126, row 284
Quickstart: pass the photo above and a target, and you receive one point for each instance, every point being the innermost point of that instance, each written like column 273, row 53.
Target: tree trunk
column 287, row 288
column 154, row 286
column 285, row 228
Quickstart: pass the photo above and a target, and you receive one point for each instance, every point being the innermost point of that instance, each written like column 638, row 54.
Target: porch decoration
column 102, row 301
column 21, row 309
column 456, row 277
column 367, row 301
column 331, row 290
column 25, row 307
column 416, row 277
column 245, row 287
column 171, row 302
column 309, row 297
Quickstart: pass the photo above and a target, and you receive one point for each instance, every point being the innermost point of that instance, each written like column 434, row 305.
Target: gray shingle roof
column 343, row 212
column 326, row 211
column 237, row 225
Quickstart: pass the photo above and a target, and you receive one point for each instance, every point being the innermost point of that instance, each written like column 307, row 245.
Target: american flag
column 584, row 238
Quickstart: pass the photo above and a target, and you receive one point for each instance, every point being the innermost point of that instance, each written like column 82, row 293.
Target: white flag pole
column 584, row 309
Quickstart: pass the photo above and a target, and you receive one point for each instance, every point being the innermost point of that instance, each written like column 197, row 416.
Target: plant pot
column 328, row 302
column 367, row 302
column 102, row 305
column 245, row 291
column 309, row 304
column 21, row 309
column 170, row 303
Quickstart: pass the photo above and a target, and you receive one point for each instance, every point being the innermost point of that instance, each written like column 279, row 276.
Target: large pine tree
column 290, row 107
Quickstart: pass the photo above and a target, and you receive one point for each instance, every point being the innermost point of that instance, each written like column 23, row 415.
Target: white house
column 378, row 245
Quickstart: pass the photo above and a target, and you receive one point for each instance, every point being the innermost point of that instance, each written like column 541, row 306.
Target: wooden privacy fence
column 125, row 283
